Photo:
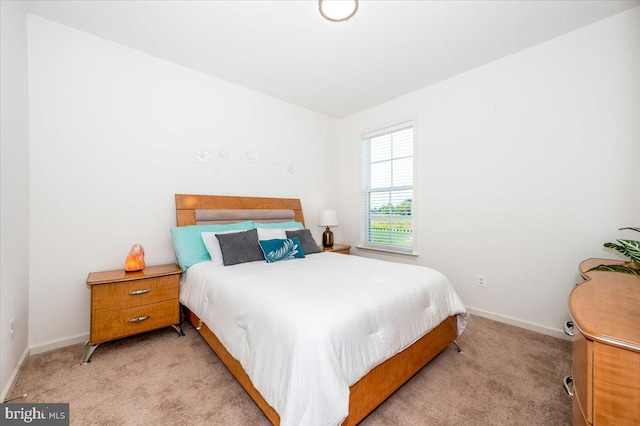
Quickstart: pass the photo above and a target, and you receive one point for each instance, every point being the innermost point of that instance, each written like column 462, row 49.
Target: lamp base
column 327, row 238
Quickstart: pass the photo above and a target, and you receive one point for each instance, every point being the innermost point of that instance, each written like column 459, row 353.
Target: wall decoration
column 252, row 156
column 202, row 155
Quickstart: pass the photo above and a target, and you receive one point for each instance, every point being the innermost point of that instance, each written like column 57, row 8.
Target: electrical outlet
column 11, row 325
column 482, row 280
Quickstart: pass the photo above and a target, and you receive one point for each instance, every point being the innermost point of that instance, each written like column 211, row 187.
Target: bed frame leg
column 458, row 348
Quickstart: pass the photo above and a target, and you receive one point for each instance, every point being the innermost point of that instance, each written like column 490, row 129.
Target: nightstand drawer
column 113, row 324
column 109, row 297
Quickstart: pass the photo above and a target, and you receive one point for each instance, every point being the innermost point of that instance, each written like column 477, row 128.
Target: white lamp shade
column 327, row 218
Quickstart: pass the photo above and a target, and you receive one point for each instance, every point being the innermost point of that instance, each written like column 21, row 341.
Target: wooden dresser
column 128, row 303
column 606, row 347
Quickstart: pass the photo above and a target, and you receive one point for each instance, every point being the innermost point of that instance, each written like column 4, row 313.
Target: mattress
column 305, row 330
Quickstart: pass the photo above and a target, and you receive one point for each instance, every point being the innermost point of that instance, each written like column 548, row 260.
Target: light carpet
column 505, row 376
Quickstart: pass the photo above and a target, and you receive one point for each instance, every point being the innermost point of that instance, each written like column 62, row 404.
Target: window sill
column 389, row 251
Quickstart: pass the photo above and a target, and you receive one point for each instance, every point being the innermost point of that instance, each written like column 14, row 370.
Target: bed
column 230, row 309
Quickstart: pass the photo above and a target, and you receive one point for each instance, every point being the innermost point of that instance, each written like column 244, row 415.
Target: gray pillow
column 240, row 247
column 309, row 245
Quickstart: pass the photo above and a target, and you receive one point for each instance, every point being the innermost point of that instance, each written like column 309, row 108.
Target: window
column 388, row 189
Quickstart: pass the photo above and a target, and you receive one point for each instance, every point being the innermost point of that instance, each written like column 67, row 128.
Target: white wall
column 524, row 167
column 514, row 162
column 14, row 191
column 113, row 138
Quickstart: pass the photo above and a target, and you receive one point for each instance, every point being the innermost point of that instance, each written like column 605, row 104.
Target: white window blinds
column 388, row 189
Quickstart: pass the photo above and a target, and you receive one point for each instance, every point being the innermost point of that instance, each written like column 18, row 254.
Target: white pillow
column 213, row 245
column 271, row 234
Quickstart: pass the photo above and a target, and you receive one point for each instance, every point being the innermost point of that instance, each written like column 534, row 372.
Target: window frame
column 367, row 190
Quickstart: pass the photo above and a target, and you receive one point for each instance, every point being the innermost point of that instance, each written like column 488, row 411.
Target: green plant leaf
column 633, row 229
column 616, row 268
column 616, row 247
column 631, row 249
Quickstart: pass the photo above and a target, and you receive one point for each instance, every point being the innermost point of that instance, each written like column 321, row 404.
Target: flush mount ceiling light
column 337, row 10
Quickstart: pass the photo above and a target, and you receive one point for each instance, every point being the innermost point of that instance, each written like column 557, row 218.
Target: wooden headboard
column 186, row 205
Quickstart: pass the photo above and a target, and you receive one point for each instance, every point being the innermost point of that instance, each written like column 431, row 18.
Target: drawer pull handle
column 568, row 385
column 143, row 291
column 568, row 328
column 138, row 319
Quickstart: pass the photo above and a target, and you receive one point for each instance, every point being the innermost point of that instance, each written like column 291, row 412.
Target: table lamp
column 327, row 218
column 135, row 260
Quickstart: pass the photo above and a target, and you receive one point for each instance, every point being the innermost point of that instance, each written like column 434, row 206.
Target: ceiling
column 285, row 49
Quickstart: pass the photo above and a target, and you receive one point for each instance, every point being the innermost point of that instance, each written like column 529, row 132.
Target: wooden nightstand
column 338, row 248
column 128, row 303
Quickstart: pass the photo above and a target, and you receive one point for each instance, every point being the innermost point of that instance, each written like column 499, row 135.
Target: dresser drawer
column 107, row 325
column 119, row 295
column 616, row 393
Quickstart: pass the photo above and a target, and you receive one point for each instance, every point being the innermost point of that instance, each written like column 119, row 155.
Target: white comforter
column 305, row 330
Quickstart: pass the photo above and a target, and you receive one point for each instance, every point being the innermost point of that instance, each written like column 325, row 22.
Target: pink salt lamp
column 135, row 259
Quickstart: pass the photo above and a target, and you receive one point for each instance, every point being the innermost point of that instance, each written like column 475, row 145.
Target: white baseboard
column 59, row 343
column 14, row 376
column 555, row 332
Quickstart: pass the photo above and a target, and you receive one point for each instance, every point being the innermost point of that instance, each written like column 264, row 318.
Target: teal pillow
column 276, row 250
column 188, row 244
column 279, row 225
